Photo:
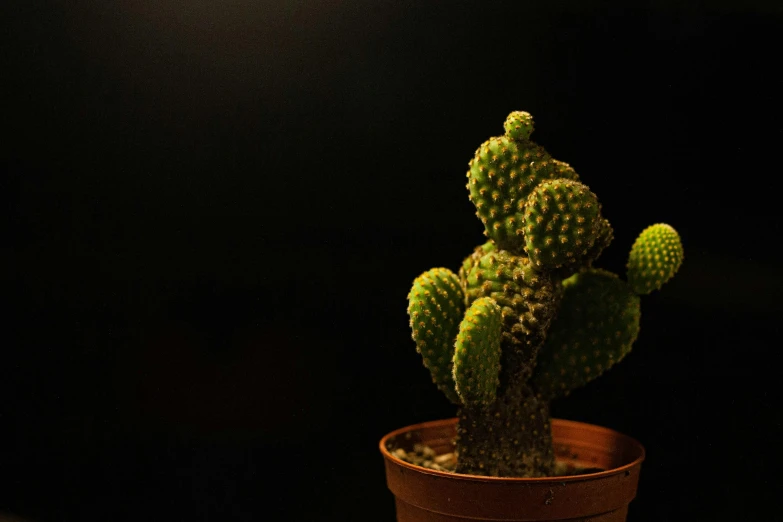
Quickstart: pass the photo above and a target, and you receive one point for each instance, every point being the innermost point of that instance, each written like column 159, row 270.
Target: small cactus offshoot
column 655, row 258
column 528, row 318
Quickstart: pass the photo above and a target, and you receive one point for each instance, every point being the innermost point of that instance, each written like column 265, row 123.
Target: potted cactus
column 527, row 318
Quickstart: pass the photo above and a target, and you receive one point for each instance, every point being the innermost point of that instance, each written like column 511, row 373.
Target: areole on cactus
column 527, row 318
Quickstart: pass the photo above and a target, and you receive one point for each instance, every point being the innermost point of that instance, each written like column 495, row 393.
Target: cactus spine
column 527, row 318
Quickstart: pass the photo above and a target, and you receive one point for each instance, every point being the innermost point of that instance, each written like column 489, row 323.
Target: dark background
column 212, row 214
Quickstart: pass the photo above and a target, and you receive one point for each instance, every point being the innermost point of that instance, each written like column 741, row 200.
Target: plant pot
column 425, row 495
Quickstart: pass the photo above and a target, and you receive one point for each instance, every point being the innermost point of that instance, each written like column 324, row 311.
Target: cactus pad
column 597, row 323
column 477, row 353
column 503, row 172
column 562, row 223
column 435, row 309
column 519, row 125
column 655, row 257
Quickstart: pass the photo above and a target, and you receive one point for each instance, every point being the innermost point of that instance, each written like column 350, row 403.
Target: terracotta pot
column 424, row 495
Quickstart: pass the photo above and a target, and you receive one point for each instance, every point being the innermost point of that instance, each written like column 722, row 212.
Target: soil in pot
column 426, row 457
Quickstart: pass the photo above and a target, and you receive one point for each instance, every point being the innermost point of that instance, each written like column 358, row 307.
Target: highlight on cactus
column 528, row 317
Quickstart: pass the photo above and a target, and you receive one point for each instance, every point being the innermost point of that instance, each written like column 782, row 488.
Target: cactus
column 596, row 325
column 562, row 223
column 504, row 171
column 477, row 353
column 435, row 308
column 528, row 318
column 655, row 257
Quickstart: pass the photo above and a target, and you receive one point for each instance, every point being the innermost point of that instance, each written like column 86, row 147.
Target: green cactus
column 655, row 258
column 504, row 171
column 596, row 325
column 528, row 318
column 519, row 125
column 562, row 223
column 435, row 307
column 526, row 297
column 477, row 353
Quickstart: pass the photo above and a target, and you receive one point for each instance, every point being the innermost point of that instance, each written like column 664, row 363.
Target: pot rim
column 561, row 478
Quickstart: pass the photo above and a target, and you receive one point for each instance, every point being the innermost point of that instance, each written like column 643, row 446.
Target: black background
column 212, row 214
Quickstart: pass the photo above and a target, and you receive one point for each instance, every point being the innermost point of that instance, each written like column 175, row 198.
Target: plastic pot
column 425, row 495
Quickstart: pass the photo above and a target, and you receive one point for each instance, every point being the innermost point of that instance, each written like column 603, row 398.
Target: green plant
column 528, row 318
